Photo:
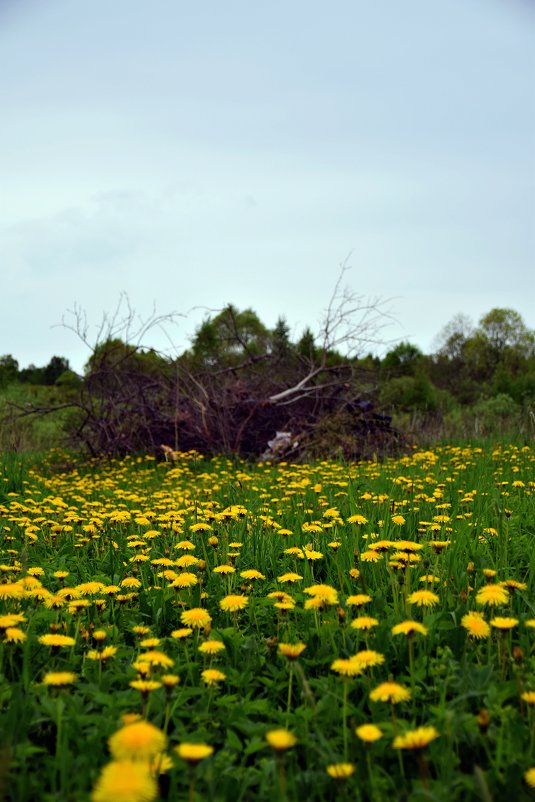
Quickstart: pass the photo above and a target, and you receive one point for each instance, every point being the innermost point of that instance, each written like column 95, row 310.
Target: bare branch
column 353, row 321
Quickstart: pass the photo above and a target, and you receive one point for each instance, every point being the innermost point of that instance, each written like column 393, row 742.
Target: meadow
column 220, row 630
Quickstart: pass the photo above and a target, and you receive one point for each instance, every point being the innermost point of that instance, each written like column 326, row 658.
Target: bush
column 406, row 393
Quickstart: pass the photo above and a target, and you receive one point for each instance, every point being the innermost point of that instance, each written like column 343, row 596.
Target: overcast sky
column 196, row 154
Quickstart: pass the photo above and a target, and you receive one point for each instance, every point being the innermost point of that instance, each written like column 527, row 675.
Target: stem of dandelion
column 373, row 791
column 410, row 640
column 401, row 766
column 191, row 792
column 316, row 622
column 167, row 716
column 393, row 585
column 59, row 734
column 289, row 701
column 344, row 717
column 282, row 777
column 424, row 769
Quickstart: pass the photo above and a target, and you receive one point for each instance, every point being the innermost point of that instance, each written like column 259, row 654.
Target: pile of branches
column 125, row 408
column 235, row 389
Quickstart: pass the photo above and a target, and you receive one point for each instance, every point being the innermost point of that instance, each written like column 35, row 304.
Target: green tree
column 9, row 370
column 306, row 347
column 505, row 328
column 404, row 359
column 230, row 338
column 32, row 375
column 281, row 345
column 54, row 369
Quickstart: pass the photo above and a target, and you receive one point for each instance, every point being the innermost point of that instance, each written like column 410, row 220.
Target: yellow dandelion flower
column 138, row 741
column 416, row 739
column 429, row 579
column 194, row 753
column 211, row 647
column 358, row 600
column 368, row 658
column 125, row 781
column 184, row 580
column 423, row 598
column 325, row 593
column 312, row 555
column 141, row 630
column 11, row 620
column 233, row 603
column 369, row 733
column 102, row 655
column 371, row 556
column 288, row 605
column 291, row 650
column 347, row 667
column 211, row 676
column 529, row 777
column 170, row 680
column 492, row 595
column 503, row 622
column 340, row 771
column 131, row 582
column 357, row 519
column 439, row 545
column 315, row 603
column 59, row 679
column 156, row 658
column 295, row 551
column 145, row 686
column 197, row 618
column 181, row 633
column 14, row 635
column 186, row 561
column 289, row 577
column 280, row 739
column 185, row 545
column 529, row 697
column 149, row 643
column 390, row 692
column 476, row 625
column 252, row 574
column 409, row 628
column 55, row 640
column 513, row 584
column 364, row 622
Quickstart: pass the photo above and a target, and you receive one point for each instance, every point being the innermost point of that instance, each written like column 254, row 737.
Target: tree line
column 240, row 382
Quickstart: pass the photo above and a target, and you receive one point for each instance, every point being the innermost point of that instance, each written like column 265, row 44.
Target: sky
column 191, row 155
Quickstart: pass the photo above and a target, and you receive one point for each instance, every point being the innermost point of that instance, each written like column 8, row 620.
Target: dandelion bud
column 518, row 654
column 483, row 720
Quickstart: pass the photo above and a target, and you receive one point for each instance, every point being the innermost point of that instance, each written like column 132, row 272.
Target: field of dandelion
column 216, row 630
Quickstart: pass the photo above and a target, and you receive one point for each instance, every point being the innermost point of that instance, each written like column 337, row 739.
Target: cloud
column 109, row 228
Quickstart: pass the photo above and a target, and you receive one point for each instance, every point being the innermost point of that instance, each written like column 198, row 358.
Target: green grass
column 103, row 523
